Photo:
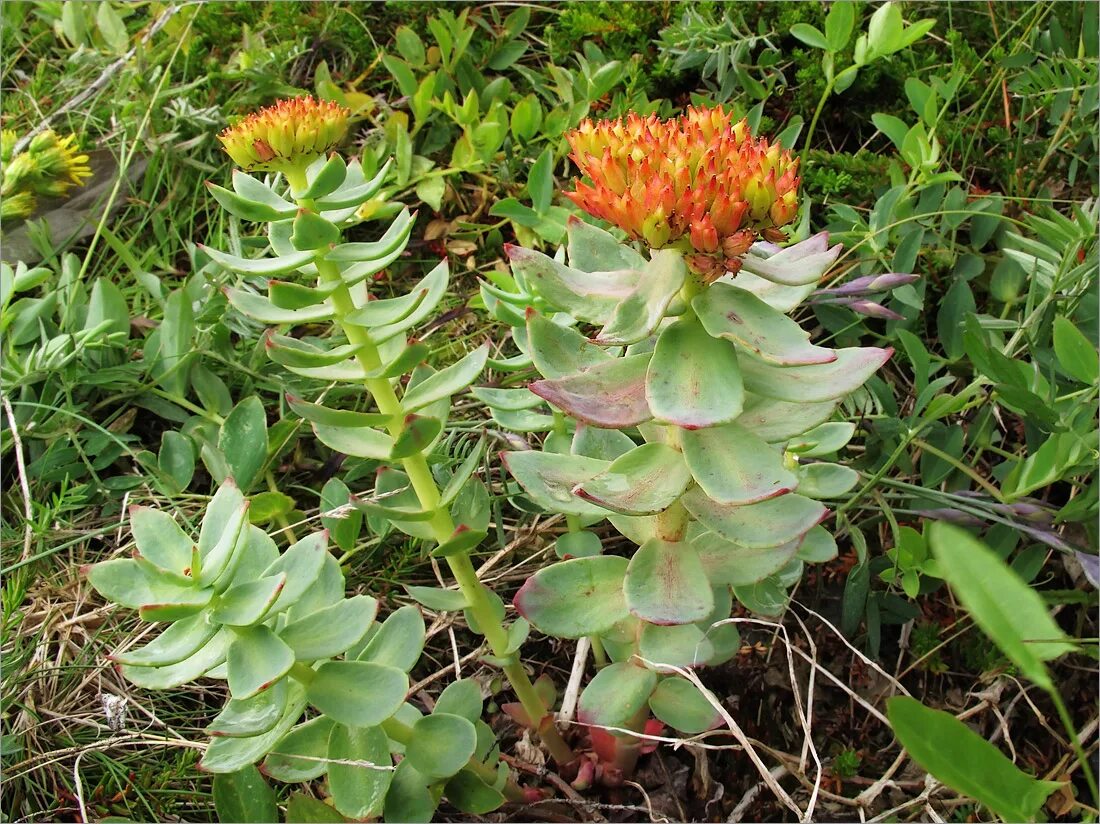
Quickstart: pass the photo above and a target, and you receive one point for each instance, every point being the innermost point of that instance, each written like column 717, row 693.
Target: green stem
column 813, row 121
column 1082, row 758
column 599, row 654
column 280, row 518
column 441, row 525
column 961, row 467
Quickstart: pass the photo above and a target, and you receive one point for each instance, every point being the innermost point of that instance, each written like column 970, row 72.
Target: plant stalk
column 427, row 492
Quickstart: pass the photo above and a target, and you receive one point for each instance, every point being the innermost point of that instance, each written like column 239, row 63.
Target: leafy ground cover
column 966, row 155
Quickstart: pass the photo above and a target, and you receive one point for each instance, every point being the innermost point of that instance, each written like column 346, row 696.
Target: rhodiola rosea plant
column 278, row 627
column 701, row 409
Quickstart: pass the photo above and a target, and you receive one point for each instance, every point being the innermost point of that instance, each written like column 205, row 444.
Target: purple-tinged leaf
column 869, row 284
column 558, row 351
column 666, row 584
column 796, row 265
column 820, row 382
column 644, row 481
column 611, row 394
column 734, row 466
column 768, row 523
column 638, row 315
column 693, row 380
column 548, row 479
column 575, row 598
column 585, row 295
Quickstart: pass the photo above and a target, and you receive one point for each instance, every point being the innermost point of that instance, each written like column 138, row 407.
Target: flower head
column 59, row 161
column 700, row 180
column 289, row 133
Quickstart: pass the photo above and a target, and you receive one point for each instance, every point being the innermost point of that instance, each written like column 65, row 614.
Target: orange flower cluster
column 699, row 177
column 291, row 132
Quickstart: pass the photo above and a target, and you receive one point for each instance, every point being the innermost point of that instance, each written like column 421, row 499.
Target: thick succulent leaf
column 133, row 584
column 357, row 693
column 226, row 755
column 325, row 176
column 778, row 421
column 360, row 442
column 825, row 480
column 246, row 209
column 252, row 716
column 255, row 190
column 585, row 295
column 348, row 195
column 571, row 599
column 734, row 314
column 186, row 606
column 446, row 381
column 441, row 744
column 257, row 658
column 818, row 546
column 301, row 754
column 463, row 698
column 644, row 481
column 558, row 351
column 287, row 295
column 602, row 444
column 222, row 516
column 355, row 274
column 387, row 310
column 348, row 371
column 409, row 800
column 413, row 354
column 395, row 238
column 693, row 379
column 263, row 310
column 768, row 597
column 208, row 656
column 734, row 466
column 435, row 282
column 610, row 394
column 678, row 703
column 509, row 400
column 616, row 695
column 797, row 265
column 344, row 418
column 417, row 434
column 272, row 265
column 160, row 540
column 216, row 563
column 290, row 351
column 684, row 645
column 548, row 479
column 325, row 591
column 472, row 795
column 441, row 600
column 766, row 524
column 822, row 440
column 820, row 382
column 179, row 641
column 591, row 249
column 249, row 602
column 781, row 298
column 302, row 563
column 666, row 584
column 638, row 315
column 331, row 630
column 729, row 563
column 311, row 232
column 398, row 642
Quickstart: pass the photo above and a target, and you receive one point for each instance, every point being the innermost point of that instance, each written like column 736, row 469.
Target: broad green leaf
column 638, row 314
column 399, row 641
column 734, row 314
column 461, row 698
column 818, row 546
column 263, row 310
column 358, row 789
column 768, row 523
column 305, row 809
column 822, row 440
column 357, row 693
column 160, row 540
column 825, row 480
column 248, row 603
column 682, row 645
column 693, row 379
column 592, row 249
column 549, row 479
column 802, row 264
column 510, row 400
column 360, row 442
column 311, row 232
column 180, row 640
column 446, row 382
column 678, row 703
column 252, row 189
column 132, row 584
column 441, row 744
column 244, row 796
column 812, row 384
column 302, row 563
column 777, row 421
column 666, row 584
column 241, row 718
column 225, row 754
column 839, row 23
column 810, row 35
column 611, row 394
column 540, row 180
column 1008, row 610
column 176, row 458
column 257, row 659
column 580, row 544
column 728, row 563
column 963, row 760
column 472, row 795
column 264, row 507
column 734, row 466
column 1075, row 354
column 331, row 630
column 208, row 656
column 615, row 695
column 243, row 441
column 409, row 800
column 571, row 599
column 584, row 295
column 285, row 762
column 559, row 351
column 644, row 481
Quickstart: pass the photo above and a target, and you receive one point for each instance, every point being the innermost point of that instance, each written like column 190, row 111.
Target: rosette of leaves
column 703, row 413
column 366, row 346
column 316, row 686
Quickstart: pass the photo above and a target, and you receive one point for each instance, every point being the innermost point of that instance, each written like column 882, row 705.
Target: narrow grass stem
column 441, row 525
column 1079, row 751
column 813, row 120
column 960, row 466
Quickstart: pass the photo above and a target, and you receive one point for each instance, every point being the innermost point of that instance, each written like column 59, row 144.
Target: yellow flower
column 291, row 133
column 699, row 181
column 17, row 206
column 59, row 162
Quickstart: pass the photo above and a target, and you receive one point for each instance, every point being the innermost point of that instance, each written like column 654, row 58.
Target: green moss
column 854, row 177
column 621, row 29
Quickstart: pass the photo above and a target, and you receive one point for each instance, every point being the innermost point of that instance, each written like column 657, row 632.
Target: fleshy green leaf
column 244, row 796
column 441, row 744
column 777, row 421
column 447, row 381
column 251, row 716
column 549, row 479
column 271, row 265
column 208, row 656
column 678, row 703
column 730, row 564
column 820, row 382
column 357, row 693
column 360, row 442
column 768, row 523
column 825, row 480
column 248, row 603
column 615, row 695
column 591, row 249
column 585, row 295
column 644, row 481
column 638, row 314
column 338, row 418
column 331, row 630
column 734, row 466
column 325, row 177
column 253, row 210
column 571, row 599
column 693, row 380
column 611, row 394
column 399, row 641
column 285, row 762
column 359, row 790
column 558, row 351
column 409, row 800
column 180, row 640
column 243, row 441
column 256, row 658
column 263, row 310
column 1075, row 354
column 666, row 584
column 229, row 754
column 734, row 314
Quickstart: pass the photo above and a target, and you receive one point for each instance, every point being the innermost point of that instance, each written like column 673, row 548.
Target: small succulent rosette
column 700, row 411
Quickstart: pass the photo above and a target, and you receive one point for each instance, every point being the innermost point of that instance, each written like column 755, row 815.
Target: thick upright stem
column 427, row 492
